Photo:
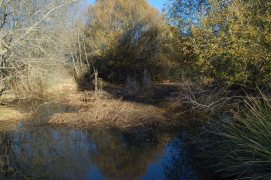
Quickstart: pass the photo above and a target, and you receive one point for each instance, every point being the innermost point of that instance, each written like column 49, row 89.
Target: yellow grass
column 103, row 110
column 62, row 85
column 7, row 114
column 10, row 117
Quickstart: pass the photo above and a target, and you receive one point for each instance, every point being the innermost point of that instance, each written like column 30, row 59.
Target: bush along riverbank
column 234, row 138
column 240, row 147
column 236, row 144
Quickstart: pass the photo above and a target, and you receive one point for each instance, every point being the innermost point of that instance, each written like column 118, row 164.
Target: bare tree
column 77, row 42
column 32, row 47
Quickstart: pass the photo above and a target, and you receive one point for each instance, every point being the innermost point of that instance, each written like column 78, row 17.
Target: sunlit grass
column 104, row 110
column 10, row 117
column 7, row 114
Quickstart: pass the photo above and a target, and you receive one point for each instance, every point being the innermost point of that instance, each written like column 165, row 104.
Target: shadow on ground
column 160, row 92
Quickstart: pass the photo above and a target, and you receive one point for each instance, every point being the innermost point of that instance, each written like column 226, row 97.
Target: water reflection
column 47, row 153
column 127, row 155
column 42, row 154
column 181, row 163
column 38, row 151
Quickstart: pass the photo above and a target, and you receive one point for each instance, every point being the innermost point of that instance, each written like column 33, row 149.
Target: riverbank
column 11, row 115
column 232, row 135
column 111, row 108
column 104, row 110
column 9, row 118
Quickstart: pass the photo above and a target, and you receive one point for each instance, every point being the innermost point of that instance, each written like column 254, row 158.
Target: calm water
column 38, row 151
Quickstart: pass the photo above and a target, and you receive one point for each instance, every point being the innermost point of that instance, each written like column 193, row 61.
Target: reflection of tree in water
column 37, row 151
column 182, row 162
column 179, row 164
column 8, row 165
column 126, row 155
column 42, row 154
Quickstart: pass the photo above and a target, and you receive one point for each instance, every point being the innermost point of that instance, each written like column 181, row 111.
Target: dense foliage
column 125, row 37
column 230, row 39
column 233, row 41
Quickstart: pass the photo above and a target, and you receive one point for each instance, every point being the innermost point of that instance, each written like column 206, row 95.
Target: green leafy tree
column 125, row 37
column 232, row 42
column 183, row 13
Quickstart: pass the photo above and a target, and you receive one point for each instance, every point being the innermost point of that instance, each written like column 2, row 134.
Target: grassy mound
column 10, row 117
column 102, row 111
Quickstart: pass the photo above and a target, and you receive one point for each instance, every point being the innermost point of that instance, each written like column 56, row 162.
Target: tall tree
column 233, row 41
column 31, row 47
column 183, row 13
column 125, row 37
column 76, row 42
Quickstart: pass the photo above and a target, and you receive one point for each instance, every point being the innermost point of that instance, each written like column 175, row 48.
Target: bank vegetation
column 217, row 50
column 227, row 42
column 104, row 110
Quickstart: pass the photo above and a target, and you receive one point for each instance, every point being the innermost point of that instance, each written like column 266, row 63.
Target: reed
column 241, row 147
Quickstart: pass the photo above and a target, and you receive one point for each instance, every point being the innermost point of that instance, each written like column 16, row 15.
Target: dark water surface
column 39, row 151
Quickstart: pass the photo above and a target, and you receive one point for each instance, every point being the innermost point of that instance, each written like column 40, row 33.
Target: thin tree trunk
column 96, row 80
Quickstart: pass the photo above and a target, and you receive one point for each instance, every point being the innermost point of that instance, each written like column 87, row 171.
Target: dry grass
column 10, row 117
column 207, row 96
column 83, row 98
column 60, row 85
column 7, row 114
column 100, row 110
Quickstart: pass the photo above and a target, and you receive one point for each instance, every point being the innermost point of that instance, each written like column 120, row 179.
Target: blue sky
column 155, row 3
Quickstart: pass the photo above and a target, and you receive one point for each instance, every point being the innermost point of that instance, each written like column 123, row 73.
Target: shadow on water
column 40, row 151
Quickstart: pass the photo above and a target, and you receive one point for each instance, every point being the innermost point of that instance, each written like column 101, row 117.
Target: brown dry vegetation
column 10, row 117
column 206, row 95
column 63, row 85
column 104, row 110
